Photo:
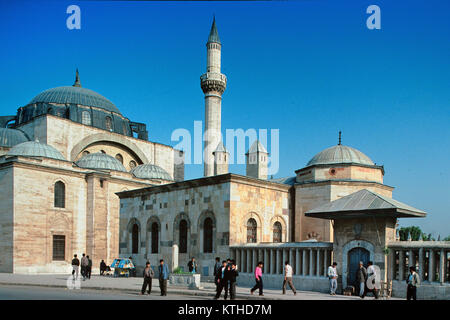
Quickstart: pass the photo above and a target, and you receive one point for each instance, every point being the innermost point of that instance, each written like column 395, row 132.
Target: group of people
column 86, row 267
column 225, row 275
column 148, row 275
column 363, row 274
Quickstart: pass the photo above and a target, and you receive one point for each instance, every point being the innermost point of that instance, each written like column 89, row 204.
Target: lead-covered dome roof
column 35, row 149
column 340, row 154
column 150, row 172
column 11, row 137
column 75, row 95
column 100, row 161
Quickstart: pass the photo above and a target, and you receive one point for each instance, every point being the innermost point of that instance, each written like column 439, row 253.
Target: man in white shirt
column 288, row 278
column 332, row 275
column 372, row 275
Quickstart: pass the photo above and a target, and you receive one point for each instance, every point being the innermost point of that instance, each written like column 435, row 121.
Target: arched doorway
column 356, row 255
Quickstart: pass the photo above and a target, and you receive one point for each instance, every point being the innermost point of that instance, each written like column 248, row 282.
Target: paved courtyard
column 100, row 287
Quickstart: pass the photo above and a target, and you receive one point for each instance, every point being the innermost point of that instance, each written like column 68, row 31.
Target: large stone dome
column 340, row 154
column 100, row 161
column 75, row 95
column 35, row 149
column 11, row 137
column 150, row 172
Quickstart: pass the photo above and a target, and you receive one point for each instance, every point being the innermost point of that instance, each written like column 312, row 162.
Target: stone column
column 304, row 263
column 421, row 264
column 255, row 258
column 243, row 267
column 401, row 268
column 297, row 261
column 442, row 267
column 318, row 265
column 431, row 268
column 285, row 255
column 325, row 262
column 311, row 262
column 392, row 274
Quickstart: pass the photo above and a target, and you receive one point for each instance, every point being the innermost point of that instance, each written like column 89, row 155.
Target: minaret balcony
column 213, row 82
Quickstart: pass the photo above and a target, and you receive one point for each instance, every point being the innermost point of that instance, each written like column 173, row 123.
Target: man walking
column 361, row 277
column 148, row 276
column 217, row 267
column 288, row 278
column 258, row 279
column 231, row 279
column 332, row 275
column 84, row 265
column 221, row 280
column 102, row 267
column 163, row 276
column 372, row 273
column 192, row 265
column 75, row 265
column 413, row 282
column 89, row 268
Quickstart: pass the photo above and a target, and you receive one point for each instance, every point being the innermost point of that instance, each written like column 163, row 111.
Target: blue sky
column 308, row 68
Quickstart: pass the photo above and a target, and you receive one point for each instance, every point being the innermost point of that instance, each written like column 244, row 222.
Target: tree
column 414, row 231
column 447, row 238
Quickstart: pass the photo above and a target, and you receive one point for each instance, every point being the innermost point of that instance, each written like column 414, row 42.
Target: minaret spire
column 339, row 138
column 213, row 84
column 77, row 79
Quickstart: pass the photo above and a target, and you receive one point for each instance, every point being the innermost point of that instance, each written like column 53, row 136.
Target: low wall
column 275, row 281
column 425, row 291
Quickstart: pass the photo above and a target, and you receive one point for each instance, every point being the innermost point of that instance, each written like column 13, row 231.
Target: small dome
column 340, row 154
column 75, row 95
column 100, row 161
column 150, row 171
column 11, row 137
column 35, row 149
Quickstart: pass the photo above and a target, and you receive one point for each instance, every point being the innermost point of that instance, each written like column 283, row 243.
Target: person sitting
column 103, row 267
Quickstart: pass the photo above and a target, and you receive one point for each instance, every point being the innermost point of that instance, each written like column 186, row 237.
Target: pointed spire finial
column 339, row 138
column 214, row 34
column 77, row 80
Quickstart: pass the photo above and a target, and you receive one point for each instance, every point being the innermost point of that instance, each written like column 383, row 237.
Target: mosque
column 77, row 176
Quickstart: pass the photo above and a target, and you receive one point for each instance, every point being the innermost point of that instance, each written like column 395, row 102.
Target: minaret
column 77, row 80
column 213, row 84
column 221, row 157
column 257, row 159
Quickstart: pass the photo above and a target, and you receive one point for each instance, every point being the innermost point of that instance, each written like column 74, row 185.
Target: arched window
column 251, row 230
column 183, row 236
column 135, row 239
column 277, row 231
column 51, row 111
column 103, row 151
column 155, row 237
column 132, row 164
column 208, row 235
column 119, row 157
column 86, row 117
column 108, row 123
column 60, row 195
column 85, row 153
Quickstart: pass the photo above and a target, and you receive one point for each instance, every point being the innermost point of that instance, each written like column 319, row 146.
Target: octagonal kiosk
column 364, row 223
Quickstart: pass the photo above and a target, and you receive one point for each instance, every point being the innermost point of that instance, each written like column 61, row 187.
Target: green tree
column 414, row 231
column 447, row 238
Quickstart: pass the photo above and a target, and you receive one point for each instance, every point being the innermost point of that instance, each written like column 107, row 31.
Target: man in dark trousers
column 231, row 275
column 217, row 267
column 361, row 277
column 102, row 267
column 89, row 268
column 221, row 280
column 163, row 276
column 148, row 276
column 413, row 282
column 84, row 264
column 75, row 266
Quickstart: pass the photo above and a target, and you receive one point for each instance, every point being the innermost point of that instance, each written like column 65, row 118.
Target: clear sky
column 307, row 68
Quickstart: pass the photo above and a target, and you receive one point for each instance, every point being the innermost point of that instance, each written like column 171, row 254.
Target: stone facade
column 228, row 200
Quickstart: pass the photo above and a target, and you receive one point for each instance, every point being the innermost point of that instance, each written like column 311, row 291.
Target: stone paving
column 134, row 285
